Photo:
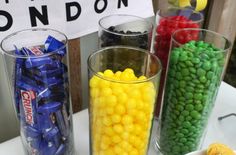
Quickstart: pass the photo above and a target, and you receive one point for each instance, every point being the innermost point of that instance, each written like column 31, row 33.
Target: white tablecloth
column 222, row 131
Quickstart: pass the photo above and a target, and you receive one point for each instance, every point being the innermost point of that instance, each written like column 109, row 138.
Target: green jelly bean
column 182, row 64
column 195, row 60
column 184, row 71
column 172, row 73
column 201, row 72
column 199, row 90
column 189, row 89
column 178, row 76
column 179, row 107
column 184, row 131
column 189, row 63
column 188, row 118
column 185, row 113
column 197, row 101
column 204, row 56
column 193, row 76
column 206, row 65
column 198, row 107
column 195, row 114
column 203, row 79
column 187, row 78
column 189, row 101
column 200, row 86
column 179, row 135
column 196, row 81
column 182, row 140
column 181, row 118
column 188, row 95
column 186, row 124
column 197, row 96
column 200, row 43
column 182, row 83
column 189, row 107
column 176, row 149
column 174, row 57
column 183, row 56
column 192, row 70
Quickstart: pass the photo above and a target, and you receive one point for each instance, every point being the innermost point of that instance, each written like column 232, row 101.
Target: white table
column 225, row 104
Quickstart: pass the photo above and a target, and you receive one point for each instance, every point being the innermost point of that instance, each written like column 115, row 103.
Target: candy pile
column 41, row 96
column 114, row 37
column 164, row 30
column 121, row 113
column 193, row 79
column 219, row 149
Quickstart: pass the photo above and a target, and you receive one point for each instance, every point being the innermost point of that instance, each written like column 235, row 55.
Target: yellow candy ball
column 118, row 128
column 107, row 121
column 118, row 149
column 129, row 127
column 126, row 120
column 116, row 139
column 106, row 91
column 117, row 74
column 111, row 100
column 116, row 118
column 108, row 73
column 131, row 104
column 120, row 109
column 108, row 131
column 134, row 152
column 129, row 70
column 104, row 83
column 122, row 97
column 109, row 110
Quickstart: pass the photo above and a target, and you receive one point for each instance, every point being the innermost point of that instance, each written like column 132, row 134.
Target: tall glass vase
column 36, row 64
column 195, row 71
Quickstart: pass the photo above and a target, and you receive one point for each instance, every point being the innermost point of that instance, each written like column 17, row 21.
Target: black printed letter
column 125, row 2
column 9, row 20
column 102, row 9
column 69, row 17
column 35, row 13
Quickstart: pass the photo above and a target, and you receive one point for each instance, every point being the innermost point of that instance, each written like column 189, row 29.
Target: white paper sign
column 73, row 17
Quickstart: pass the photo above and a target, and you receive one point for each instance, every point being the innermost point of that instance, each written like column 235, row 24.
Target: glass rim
column 205, row 30
column 121, row 81
column 150, row 25
column 32, row 56
column 179, row 8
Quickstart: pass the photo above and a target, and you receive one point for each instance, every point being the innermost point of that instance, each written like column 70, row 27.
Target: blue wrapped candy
column 41, row 85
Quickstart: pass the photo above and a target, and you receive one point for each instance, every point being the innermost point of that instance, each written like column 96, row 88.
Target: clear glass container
column 38, row 76
column 122, row 99
column 168, row 21
column 129, row 30
column 195, row 71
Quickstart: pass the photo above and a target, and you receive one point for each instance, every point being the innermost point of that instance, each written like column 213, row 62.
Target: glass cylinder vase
column 194, row 75
column 122, row 99
column 168, row 21
column 36, row 66
column 128, row 30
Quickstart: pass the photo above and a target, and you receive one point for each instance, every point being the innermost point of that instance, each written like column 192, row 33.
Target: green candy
column 189, row 107
column 206, row 65
column 189, row 95
column 183, row 56
column 201, row 72
column 195, row 114
column 184, row 71
column 193, row 79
